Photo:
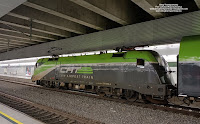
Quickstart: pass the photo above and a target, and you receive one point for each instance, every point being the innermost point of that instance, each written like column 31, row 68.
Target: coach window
column 140, row 63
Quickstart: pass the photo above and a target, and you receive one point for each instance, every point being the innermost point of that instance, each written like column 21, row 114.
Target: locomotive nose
column 33, row 78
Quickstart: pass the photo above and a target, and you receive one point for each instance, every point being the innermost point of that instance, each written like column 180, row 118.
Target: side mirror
column 162, row 68
column 171, row 71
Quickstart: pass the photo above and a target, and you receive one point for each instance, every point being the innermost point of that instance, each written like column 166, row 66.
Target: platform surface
column 11, row 116
column 17, row 78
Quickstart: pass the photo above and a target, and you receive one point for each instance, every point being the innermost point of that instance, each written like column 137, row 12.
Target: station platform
column 16, row 78
column 11, row 116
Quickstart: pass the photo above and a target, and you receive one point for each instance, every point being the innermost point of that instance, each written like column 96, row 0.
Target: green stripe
column 85, row 72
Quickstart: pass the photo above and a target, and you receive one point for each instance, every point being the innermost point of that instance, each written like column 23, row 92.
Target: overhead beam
column 20, row 36
column 49, row 19
column 3, row 44
column 6, row 46
column 197, row 3
column 6, row 49
column 3, row 50
column 4, row 36
column 160, row 31
column 9, row 48
column 21, row 23
column 13, row 41
column 16, row 37
column 147, row 4
column 120, row 11
column 70, row 11
column 27, row 32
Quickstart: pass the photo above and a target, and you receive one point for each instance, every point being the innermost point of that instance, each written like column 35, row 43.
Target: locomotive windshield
column 165, row 64
column 162, row 62
column 39, row 63
column 167, row 77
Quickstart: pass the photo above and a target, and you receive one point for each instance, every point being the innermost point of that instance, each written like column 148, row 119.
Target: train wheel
column 155, row 101
column 101, row 94
column 131, row 95
column 47, row 84
column 38, row 82
column 57, row 85
column 42, row 82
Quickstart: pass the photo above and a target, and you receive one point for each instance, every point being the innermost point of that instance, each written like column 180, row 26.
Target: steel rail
column 43, row 113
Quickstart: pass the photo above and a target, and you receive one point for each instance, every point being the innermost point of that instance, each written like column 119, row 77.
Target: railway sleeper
column 48, row 115
column 24, row 105
column 47, row 120
column 38, row 113
column 25, row 108
column 20, row 104
column 31, row 110
column 65, row 121
column 60, row 120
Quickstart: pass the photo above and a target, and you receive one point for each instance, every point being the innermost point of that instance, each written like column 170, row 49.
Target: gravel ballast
column 97, row 109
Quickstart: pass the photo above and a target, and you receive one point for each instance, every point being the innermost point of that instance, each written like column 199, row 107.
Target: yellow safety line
column 16, row 121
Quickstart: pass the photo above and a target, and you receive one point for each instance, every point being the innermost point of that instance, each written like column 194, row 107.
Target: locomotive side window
column 53, row 59
column 140, row 63
column 118, row 55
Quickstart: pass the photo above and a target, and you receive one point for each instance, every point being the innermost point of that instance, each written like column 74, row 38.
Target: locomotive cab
column 163, row 70
column 40, row 62
column 37, row 65
column 167, row 72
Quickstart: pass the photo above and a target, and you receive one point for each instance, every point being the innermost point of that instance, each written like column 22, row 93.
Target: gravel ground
column 105, row 111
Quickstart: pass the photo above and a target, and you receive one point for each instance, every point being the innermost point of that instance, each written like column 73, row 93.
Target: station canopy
column 32, row 28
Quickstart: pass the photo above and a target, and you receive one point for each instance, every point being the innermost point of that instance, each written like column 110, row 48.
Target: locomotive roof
column 130, row 56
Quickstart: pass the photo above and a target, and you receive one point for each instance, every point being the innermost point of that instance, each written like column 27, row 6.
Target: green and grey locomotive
column 124, row 74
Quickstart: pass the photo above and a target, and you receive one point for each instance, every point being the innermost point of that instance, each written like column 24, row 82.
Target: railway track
column 43, row 113
column 190, row 111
